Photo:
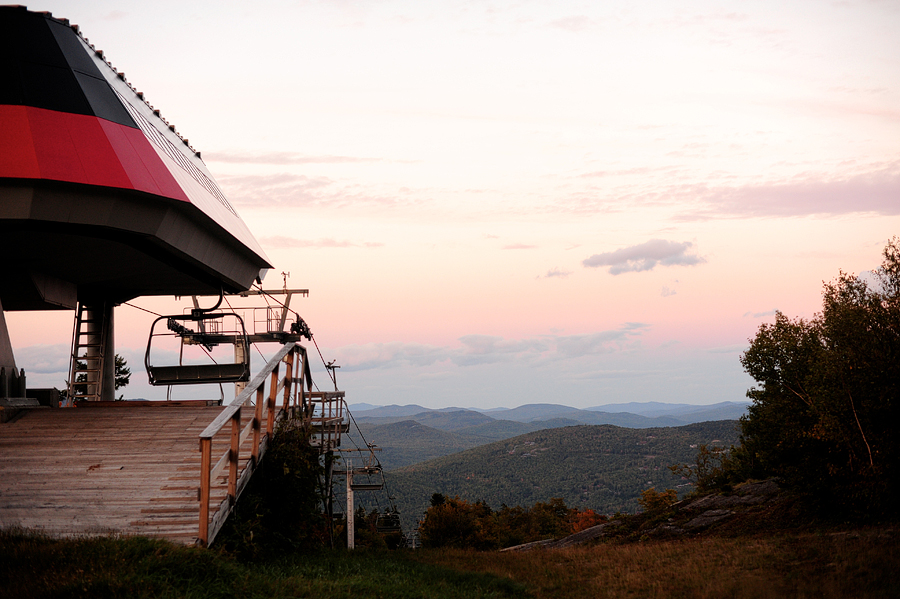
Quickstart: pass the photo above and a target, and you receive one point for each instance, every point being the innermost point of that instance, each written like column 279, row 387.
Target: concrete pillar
column 7, row 359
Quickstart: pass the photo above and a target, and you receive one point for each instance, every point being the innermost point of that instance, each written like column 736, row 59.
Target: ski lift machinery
column 202, row 328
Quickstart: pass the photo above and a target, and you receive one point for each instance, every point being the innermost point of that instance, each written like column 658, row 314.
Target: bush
column 280, row 511
column 454, row 522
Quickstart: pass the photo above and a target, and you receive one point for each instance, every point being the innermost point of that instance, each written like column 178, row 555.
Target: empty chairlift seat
column 187, row 350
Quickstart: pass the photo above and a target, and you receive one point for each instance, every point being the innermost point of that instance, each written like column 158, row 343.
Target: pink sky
column 504, row 203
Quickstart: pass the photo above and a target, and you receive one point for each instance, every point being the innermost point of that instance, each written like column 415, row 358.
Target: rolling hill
column 601, row 467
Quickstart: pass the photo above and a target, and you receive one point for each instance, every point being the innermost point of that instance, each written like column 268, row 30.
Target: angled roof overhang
column 99, row 196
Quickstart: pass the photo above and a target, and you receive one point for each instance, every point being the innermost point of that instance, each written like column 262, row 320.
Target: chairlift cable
column 139, row 308
column 321, row 357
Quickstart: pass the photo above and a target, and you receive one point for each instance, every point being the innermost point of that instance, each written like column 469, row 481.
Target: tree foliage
column 824, row 411
column 655, row 503
column 455, row 522
column 122, row 372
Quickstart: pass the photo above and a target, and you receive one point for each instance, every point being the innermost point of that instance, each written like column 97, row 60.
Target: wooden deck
column 102, row 470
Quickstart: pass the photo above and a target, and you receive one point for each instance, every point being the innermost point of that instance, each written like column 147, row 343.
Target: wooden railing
column 295, row 386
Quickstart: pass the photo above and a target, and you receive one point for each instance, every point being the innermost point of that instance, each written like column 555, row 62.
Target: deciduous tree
column 824, row 412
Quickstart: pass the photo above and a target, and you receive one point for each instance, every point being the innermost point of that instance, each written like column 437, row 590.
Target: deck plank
column 108, row 470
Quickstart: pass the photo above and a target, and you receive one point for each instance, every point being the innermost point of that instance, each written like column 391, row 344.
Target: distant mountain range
column 411, row 434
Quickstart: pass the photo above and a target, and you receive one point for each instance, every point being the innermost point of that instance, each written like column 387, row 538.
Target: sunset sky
column 496, row 204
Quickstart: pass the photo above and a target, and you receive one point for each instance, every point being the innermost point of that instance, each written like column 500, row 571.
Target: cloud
column 280, row 158
column 645, row 256
column 280, row 242
column 728, row 349
column 288, row 189
column 760, row 314
column 556, row 272
column 599, row 343
column 574, row 23
column 487, row 349
column 382, row 355
column 874, row 192
column 45, row 359
column 475, row 350
column 666, row 292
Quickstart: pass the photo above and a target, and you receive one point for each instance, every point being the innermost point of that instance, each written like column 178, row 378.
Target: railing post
column 305, row 407
column 257, row 424
column 234, row 456
column 205, row 463
column 273, row 393
column 288, row 374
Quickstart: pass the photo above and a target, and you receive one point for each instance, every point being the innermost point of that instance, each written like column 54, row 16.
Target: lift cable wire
column 130, row 305
column 139, row 308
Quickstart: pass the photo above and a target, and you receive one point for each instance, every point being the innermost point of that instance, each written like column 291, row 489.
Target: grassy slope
column 831, row 564
column 34, row 567
column 602, row 467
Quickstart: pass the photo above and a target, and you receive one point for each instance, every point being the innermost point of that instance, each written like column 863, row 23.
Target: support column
column 7, row 359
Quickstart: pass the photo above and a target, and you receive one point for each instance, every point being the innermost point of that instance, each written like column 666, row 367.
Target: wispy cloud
column 280, row 158
column 490, row 349
column 288, row 189
column 874, row 192
column 645, row 256
column 760, row 314
column 556, row 272
column 280, row 242
column 50, row 359
column 728, row 349
column 573, row 23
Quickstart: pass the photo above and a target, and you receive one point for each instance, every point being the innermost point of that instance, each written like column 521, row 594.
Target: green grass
column 840, row 563
column 32, row 566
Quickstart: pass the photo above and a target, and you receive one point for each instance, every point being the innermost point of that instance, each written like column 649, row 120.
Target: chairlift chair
column 388, row 522
column 374, row 479
column 204, row 329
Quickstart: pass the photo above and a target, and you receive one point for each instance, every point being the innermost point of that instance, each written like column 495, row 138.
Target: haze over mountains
column 632, row 415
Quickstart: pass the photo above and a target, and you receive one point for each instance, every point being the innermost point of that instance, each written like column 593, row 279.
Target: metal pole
column 351, row 530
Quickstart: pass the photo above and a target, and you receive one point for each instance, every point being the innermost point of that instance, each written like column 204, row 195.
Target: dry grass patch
column 858, row 564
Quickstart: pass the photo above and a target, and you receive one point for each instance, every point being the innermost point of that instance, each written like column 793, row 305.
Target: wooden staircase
column 130, row 470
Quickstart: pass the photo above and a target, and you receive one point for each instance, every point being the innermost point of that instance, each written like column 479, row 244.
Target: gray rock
column 708, row 517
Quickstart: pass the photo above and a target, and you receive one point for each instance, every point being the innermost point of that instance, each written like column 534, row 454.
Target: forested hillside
column 407, row 435
column 601, row 467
